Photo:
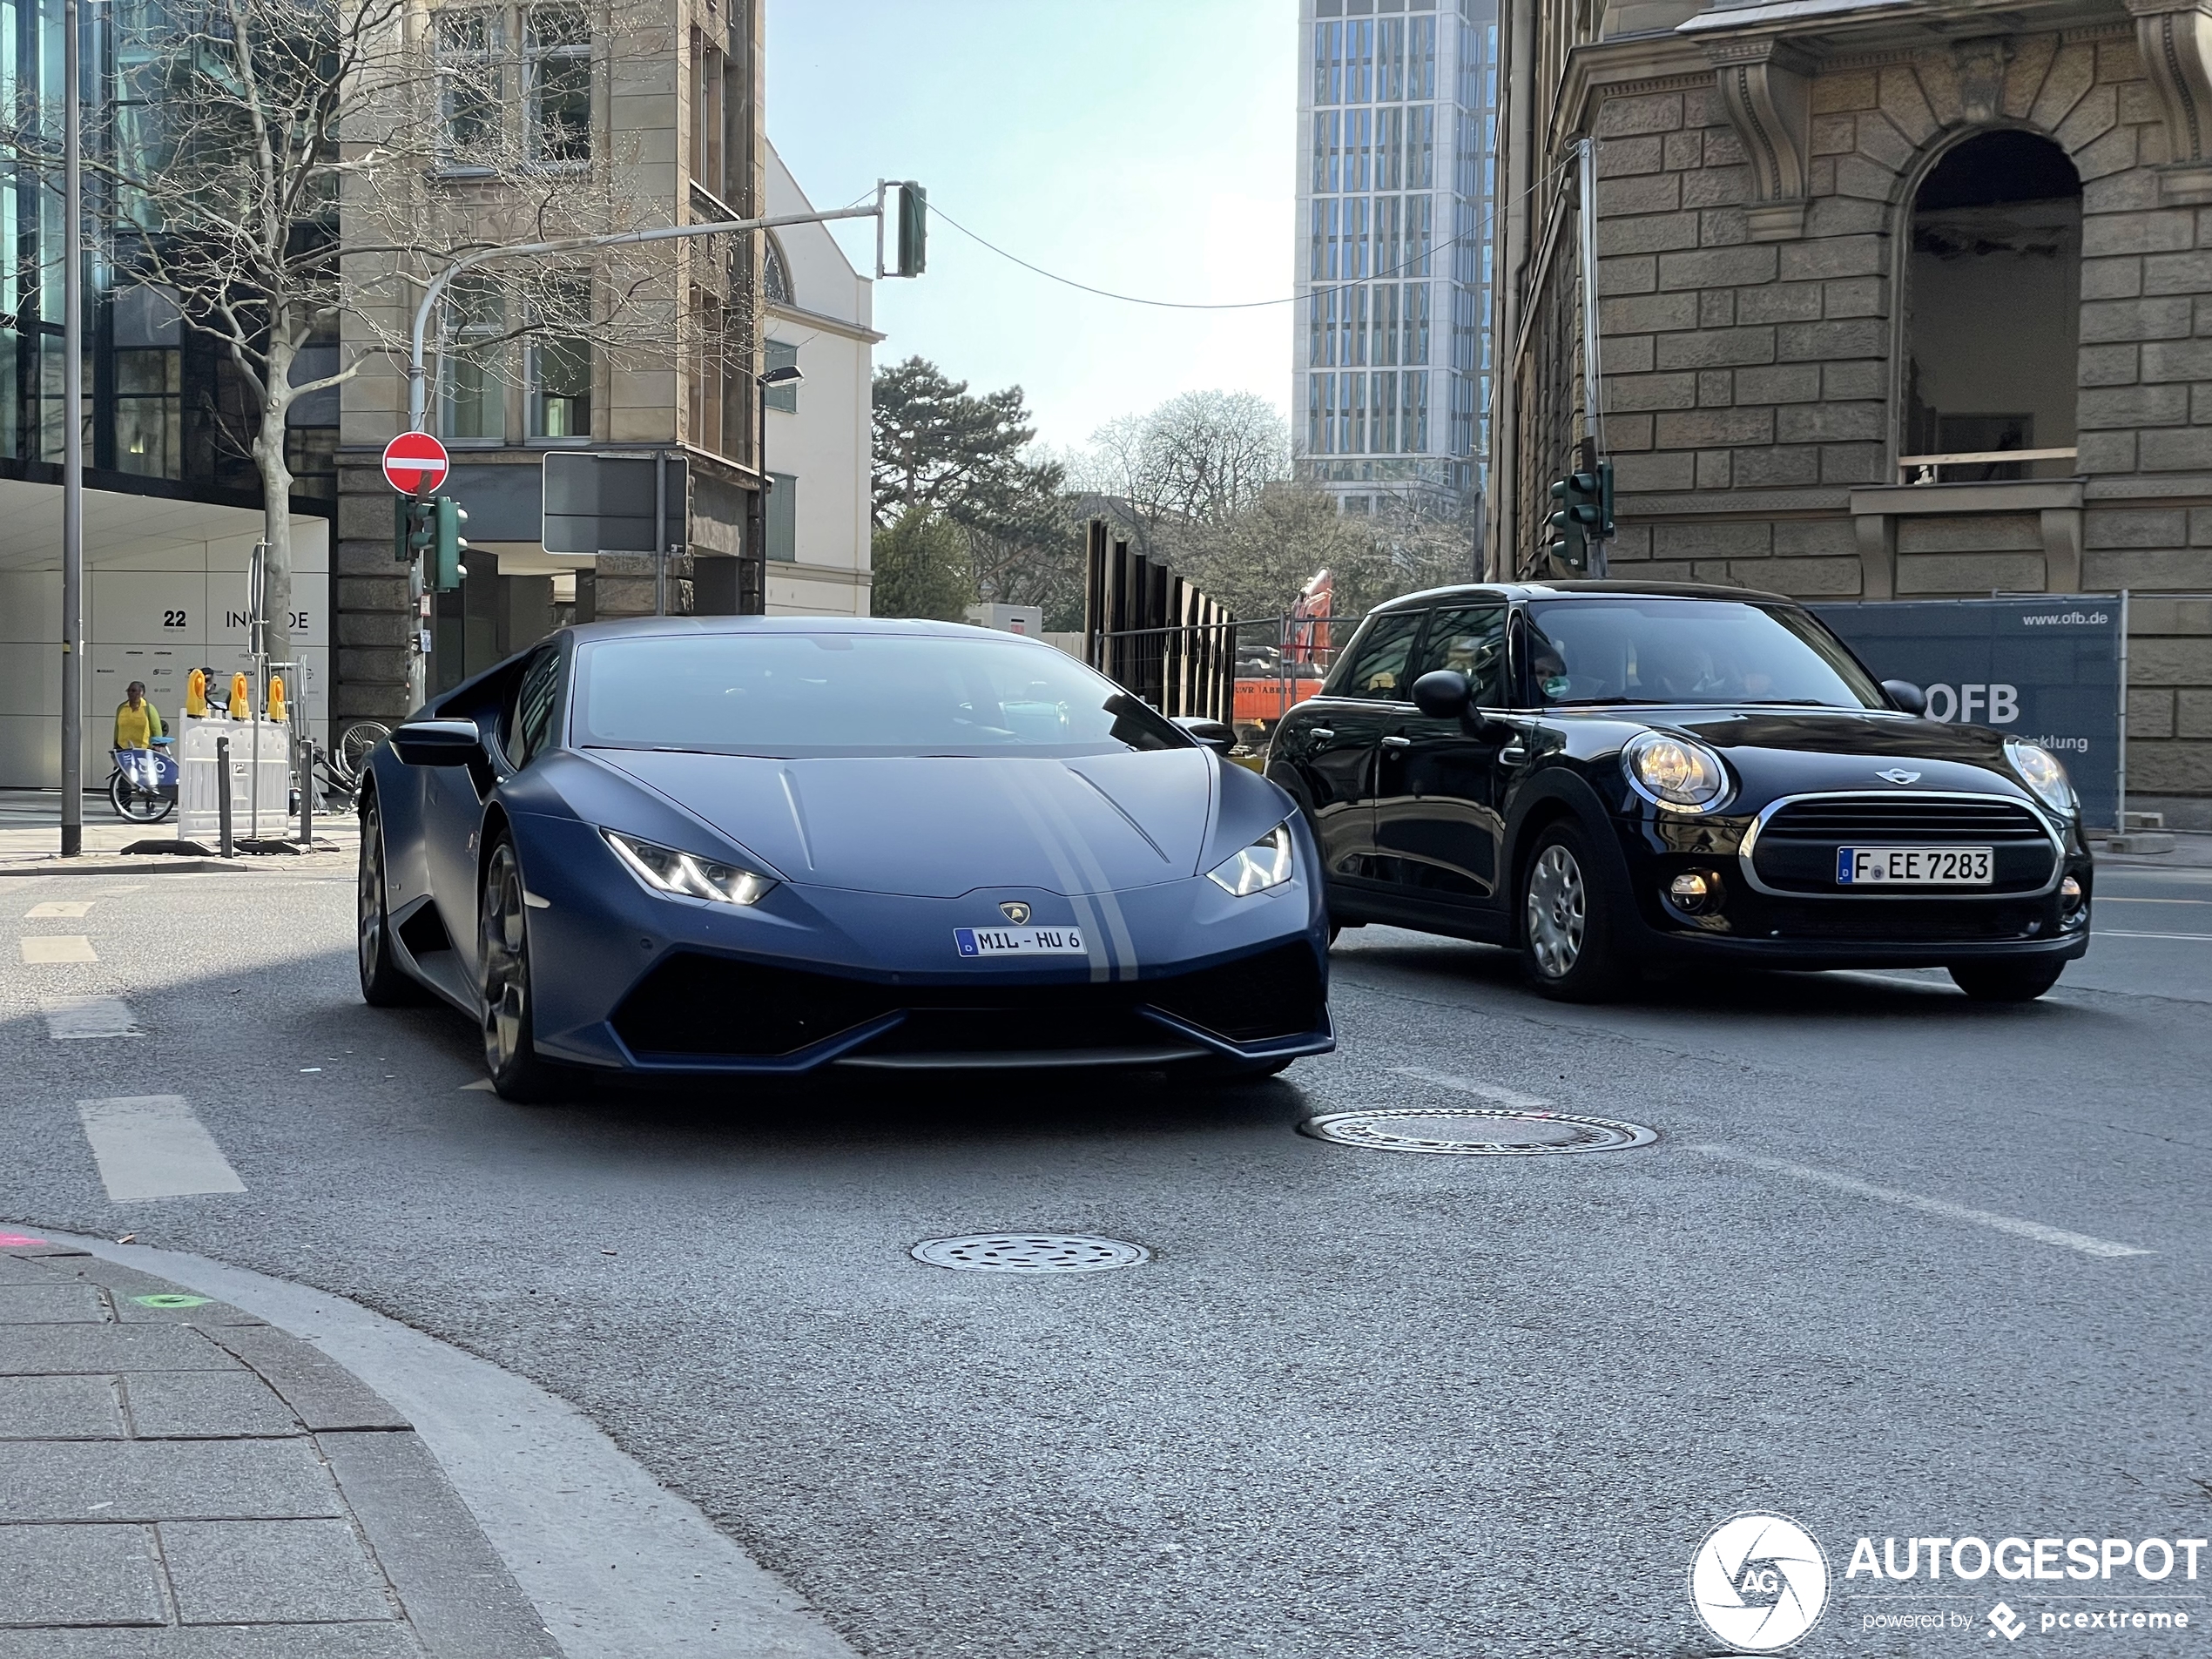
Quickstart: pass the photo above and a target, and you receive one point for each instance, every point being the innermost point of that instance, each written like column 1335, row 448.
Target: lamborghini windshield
column 797, row 695
column 1631, row 650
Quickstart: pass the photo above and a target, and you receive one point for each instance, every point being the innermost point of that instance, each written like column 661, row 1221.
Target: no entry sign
column 415, row 463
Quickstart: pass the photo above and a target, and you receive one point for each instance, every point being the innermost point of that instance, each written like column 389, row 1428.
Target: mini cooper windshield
column 1631, row 651
column 797, row 696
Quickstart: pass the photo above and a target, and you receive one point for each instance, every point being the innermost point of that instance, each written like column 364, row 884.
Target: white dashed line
column 2117, row 933
column 60, row 907
column 87, row 1016
column 2035, row 1229
column 57, row 948
column 150, row 1146
column 1490, row 1092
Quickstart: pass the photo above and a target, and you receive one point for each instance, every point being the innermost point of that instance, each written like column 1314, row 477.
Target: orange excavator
column 1271, row 678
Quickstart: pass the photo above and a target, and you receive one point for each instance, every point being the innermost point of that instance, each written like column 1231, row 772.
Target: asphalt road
column 1360, row 1403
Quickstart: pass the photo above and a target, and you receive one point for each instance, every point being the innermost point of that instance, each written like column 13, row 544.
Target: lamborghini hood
column 937, row 826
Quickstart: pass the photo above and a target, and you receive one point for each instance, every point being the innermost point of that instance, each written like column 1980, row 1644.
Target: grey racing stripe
column 1015, row 784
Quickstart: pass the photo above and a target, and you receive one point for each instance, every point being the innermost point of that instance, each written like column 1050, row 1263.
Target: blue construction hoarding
column 2049, row 670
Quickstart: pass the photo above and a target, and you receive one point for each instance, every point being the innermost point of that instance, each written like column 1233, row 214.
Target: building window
column 560, row 85
column 1390, row 60
column 1415, row 331
column 777, row 354
column 1420, row 147
column 1993, row 303
column 1413, row 419
column 707, row 128
column 783, row 517
column 707, row 374
column 1328, row 135
column 149, row 382
column 473, row 393
column 775, row 275
column 1359, row 148
column 1420, row 216
column 470, row 87
column 1320, row 327
column 1390, row 148
column 1358, row 61
column 1386, row 415
column 560, row 360
column 1354, row 263
column 1315, row 433
column 1420, row 58
column 1328, row 62
column 1386, row 324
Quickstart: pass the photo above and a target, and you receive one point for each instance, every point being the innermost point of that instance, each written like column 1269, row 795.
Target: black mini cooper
column 1608, row 775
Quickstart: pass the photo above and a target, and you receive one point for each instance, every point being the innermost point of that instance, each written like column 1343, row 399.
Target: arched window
column 1993, row 285
column 775, row 276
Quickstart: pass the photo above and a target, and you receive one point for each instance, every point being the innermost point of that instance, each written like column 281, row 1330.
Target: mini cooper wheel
column 1566, row 942
column 510, row 1054
column 383, row 986
column 2005, row 982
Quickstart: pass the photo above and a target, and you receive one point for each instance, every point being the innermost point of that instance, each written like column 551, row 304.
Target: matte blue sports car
column 724, row 846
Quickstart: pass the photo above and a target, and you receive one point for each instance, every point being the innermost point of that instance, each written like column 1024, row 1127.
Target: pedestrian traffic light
column 914, row 230
column 450, row 517
column 1580, row 515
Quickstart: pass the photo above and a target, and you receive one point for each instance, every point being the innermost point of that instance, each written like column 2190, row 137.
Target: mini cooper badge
column 1015, row 912
column 1899, row 775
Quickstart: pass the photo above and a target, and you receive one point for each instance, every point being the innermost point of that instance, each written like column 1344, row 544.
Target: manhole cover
column 1030, row 1253
column 1471, row 1131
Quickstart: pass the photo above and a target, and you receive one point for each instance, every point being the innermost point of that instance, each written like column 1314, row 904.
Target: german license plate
column 1018, row 941
column 1918, row 867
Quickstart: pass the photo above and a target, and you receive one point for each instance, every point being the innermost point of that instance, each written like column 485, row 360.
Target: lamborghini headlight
column 1265, row 864
column 2040, row 771
column 687, row 875
column 1675, row 772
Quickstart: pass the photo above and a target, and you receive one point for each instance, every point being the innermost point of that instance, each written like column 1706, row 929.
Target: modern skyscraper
column 1397, row 108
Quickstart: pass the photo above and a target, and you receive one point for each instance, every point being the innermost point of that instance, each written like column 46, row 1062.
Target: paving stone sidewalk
column 178, row 1480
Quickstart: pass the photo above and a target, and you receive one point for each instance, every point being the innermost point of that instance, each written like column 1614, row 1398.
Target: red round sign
column 415, row 463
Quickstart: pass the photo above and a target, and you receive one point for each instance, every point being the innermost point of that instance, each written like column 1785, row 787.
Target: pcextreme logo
column 1759, row 1582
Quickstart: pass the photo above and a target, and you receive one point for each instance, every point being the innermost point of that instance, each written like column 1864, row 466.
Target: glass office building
column 1397, row 190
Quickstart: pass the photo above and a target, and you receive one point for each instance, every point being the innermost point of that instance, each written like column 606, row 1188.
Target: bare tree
column 244, row 128
column 1200, row 458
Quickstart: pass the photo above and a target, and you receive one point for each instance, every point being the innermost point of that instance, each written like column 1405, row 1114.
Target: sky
column 1144, row 147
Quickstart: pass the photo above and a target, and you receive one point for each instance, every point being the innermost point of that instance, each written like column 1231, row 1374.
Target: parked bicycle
column 339, row 769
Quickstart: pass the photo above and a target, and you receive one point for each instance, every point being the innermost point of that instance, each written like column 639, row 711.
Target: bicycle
column 143, row 787
column 341, row 769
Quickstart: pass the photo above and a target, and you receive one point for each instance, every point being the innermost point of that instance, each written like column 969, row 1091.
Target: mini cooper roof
column 1510, row 590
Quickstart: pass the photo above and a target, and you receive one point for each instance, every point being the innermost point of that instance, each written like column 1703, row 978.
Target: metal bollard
column 306, row 753
column 223, row 790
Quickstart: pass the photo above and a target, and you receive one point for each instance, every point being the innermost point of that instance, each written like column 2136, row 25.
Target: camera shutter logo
column 1759, row 1582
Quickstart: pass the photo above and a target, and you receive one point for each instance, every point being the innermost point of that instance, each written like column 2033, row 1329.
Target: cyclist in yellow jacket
column 138, row 722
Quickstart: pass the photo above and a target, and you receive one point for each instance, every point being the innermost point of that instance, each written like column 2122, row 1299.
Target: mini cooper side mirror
column 1906, row 696
column 438, row 743
column 1216, row 735
column 1443, row 693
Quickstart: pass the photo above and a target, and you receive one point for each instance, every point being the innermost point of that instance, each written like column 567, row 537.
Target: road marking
column 1490, row 1092
column 482, row 1085
column 2108, row 898
column 2035, row 1229
column 60, row 907
column 150, row 1146
column 2121, row 933
column 87, row 1016
column 57, row 948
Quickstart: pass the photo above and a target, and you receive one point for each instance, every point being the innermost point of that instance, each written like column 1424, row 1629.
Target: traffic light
column 449, row 517
column 914, row 230
column 413, row 530
column 1579, row 517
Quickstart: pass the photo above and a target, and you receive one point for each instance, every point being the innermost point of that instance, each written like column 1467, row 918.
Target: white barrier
column 199, row 798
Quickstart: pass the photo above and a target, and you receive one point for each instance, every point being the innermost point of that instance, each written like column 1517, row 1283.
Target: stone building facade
column 1833, row 236
column 588, row 117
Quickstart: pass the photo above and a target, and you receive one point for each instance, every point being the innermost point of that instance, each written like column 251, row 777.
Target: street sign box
column 415, row 463
column 614, row 503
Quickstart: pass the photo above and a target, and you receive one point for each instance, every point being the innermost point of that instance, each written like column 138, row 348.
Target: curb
column 617, row 1565
column 456, row 1598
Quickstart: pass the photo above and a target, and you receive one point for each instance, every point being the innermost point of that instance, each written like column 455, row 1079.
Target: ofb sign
column 2048, row 670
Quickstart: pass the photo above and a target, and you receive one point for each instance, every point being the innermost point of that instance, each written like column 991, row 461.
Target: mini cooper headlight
column 686, row 874
column 2040, row 770
column 1265, row 864
column 1675, row 773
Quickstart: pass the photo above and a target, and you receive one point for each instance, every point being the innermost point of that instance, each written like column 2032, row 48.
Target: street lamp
column 788, row 375
column 72, row 445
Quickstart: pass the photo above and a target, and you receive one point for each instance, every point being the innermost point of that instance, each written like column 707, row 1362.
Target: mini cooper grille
column 1899, row 817
column 701, row 1006
column 1796, row 849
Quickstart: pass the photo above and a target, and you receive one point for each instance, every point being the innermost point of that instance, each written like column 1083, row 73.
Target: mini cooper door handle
column 1513, row 754
column 1396, row 743
column 1320, row 733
